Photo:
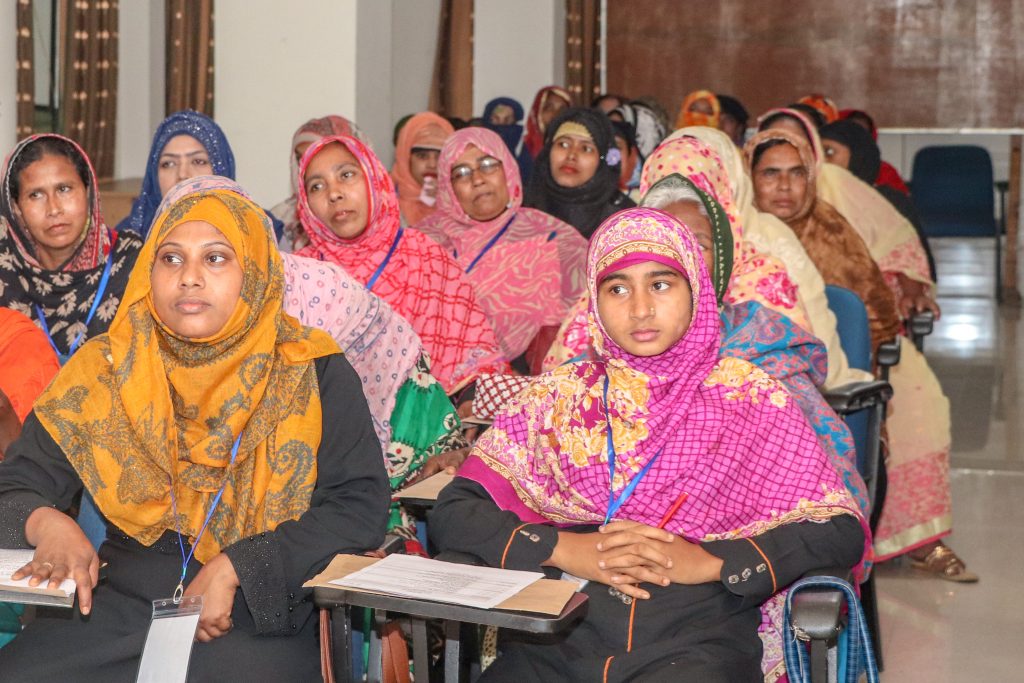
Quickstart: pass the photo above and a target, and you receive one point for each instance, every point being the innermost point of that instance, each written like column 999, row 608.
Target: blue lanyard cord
column 614, row 503
column 490, row 243
column 209, row 515
column 383, row 264
column 104, row 279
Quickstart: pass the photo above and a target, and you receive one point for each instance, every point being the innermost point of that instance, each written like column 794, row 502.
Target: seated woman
column 576, row 175
column 417, row 426
column 699, row 108
column 415, row 167
column 890, row 237
column 680, row 485
column 526, row 267
column 504, row 116
column 771, row 236
column 821, row 104
column 850, row 145
column 167, row 422
column 887, row 176
column 59, row 263
column 918, row 507
column 349, row 210
column 186, row 144
column 27, row 364
column 548, row 103
column 308, row 133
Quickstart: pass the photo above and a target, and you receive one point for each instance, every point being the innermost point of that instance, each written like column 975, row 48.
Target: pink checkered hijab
column 729, row 436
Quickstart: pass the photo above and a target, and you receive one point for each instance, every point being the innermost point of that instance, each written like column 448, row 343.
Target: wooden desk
column 116, row 197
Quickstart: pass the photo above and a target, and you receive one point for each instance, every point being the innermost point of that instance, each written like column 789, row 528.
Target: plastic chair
column 816, row 613
column 952, row 187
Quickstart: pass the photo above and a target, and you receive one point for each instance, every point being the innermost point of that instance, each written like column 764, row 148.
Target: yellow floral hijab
column 140, row 408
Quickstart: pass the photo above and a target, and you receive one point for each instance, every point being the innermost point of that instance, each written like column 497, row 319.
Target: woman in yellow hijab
column 229, row 448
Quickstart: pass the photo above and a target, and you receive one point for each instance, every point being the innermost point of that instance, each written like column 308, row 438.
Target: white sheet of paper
column 12, row 560
column 168, row 649
column 410, row 576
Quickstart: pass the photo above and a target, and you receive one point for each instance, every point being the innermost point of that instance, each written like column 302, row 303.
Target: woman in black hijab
column 576, row 174
column 851, row 146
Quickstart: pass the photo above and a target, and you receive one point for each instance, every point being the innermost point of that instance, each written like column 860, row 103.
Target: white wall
column 277, row 67
column 518, row 48
column 8, row 77
column 414, row 27
column 140, row 84
column 42, row 15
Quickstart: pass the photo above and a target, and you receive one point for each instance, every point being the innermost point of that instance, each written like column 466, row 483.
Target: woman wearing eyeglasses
column 527, row 267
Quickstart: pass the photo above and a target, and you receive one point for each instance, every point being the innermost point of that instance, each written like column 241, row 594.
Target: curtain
column 26, row 108
column 451, row 92
column 189, row 55
column 88, row 101
column 583, row 49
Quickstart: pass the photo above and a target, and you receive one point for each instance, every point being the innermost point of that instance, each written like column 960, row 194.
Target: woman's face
column 53, row 205
column 336, row 188
column 630, row 157
column 183, row 157
column 574, row 160
column 780, row 182
column 483, row 195
column 645, row 308
column 503, row 115
column 702, row 106
column 423, row 163
column 196, row 280
column 836, row 153
column 553, row 106
column 691, row 215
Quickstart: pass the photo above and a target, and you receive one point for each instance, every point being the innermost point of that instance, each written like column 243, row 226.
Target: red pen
column 673, row 510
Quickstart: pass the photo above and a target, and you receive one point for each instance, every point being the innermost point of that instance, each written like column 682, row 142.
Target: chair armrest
column 817, row 613
column 849, row 398
column 888, row 353
column 921, row 324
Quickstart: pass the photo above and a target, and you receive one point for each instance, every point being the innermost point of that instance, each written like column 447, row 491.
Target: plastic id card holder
column 168, row 647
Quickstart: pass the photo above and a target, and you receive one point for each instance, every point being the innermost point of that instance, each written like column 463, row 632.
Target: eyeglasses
column 486, row 166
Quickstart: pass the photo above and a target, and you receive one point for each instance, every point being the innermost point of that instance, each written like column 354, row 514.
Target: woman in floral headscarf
column 527, row 267
column 677, row 485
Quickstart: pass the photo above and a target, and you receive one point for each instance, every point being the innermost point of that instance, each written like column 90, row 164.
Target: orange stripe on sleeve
column 607, row 665
column 509, row 544
column 632, row 614
column 775, row 586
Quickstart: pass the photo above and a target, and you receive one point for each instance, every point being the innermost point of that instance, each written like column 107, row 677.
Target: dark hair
column 816, row 117
column 47, row 146
column 626, row 131
column 779, row 116
column 594, row 103
column 734, row 108
column 759, row 151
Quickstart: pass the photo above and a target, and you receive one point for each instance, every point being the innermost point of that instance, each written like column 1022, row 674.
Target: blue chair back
column 953, row 190
column 855, row 338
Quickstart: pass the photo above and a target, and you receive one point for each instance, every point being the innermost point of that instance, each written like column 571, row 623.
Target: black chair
column 952, row 187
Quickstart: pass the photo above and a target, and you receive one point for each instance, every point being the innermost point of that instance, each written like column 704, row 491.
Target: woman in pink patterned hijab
column 526, row 266
column 700, row 469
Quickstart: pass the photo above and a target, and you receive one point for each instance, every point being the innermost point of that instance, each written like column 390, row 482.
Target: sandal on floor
column 944, row 563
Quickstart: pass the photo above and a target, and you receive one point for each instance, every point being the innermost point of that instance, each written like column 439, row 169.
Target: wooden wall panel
column 912, row 63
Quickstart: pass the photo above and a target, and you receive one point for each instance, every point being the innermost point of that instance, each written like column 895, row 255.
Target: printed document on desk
column 409, row 576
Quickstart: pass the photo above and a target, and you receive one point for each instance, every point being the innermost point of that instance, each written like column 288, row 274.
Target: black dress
column 274, row 637
column 702, row 633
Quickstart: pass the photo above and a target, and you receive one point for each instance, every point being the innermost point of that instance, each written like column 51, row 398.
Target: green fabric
column 423, row 424
column 10, row 621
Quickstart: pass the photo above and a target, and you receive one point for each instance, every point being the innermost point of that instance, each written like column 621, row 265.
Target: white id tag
column 168, row 646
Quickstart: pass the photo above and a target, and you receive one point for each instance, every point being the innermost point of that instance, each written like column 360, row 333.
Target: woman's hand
column 578, row 555
column 448, row 462
column 62, row 552
column 915, row 297
column 636, row 552
column 217, row 583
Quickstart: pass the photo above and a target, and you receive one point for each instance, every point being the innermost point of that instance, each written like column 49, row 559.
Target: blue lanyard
column 490, row 243
column 180, row 590
column 104, row 279
column 615, row 503
column 383, row 264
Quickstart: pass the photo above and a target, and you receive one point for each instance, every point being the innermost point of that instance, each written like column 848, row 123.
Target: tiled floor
column 937, row 631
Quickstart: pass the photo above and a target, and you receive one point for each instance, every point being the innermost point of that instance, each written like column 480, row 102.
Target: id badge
column 168, row 647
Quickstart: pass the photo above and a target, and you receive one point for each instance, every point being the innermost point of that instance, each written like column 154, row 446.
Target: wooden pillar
column 1011, row 294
